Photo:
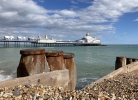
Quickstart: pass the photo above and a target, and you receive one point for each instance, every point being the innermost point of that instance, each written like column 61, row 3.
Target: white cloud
column 26, row 17
column 74, row 2
column 8, row 14
column 21, row 13
column 56, row 16
column 68, row 13
column 136, row 19
column 110, row 10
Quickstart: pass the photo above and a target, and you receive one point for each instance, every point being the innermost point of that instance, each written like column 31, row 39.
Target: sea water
column 93, row 62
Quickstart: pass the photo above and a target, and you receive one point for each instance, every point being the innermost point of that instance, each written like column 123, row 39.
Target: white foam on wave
column 87, row 79
column 1, row 71
column 5, row 77
column 82, row 79
column 2, row 62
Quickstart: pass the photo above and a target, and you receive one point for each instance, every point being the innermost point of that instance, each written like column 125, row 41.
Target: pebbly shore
column 121, row 87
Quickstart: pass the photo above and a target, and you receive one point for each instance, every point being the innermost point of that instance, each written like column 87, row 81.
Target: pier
column 28, row 43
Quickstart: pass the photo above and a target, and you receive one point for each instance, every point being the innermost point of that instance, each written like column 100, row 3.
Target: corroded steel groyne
column 57, row 66
column 71, row 66
column 55, row 60
column 32, row 61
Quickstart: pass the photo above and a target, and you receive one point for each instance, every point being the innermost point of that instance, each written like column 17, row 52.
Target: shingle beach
column 121, row 87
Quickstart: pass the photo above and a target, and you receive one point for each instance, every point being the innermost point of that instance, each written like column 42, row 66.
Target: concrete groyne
column 59, row 78
column 122, row 66
column 120, row 84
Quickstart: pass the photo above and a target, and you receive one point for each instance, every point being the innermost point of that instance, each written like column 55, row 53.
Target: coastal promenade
column 28, row 43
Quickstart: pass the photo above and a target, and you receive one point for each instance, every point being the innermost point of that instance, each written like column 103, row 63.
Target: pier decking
column 28, row 43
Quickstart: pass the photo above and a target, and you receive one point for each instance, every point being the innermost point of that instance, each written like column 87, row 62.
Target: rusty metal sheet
column 32, row 62
column 71, row 66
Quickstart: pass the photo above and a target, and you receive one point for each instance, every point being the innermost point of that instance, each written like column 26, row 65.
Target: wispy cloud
column 74, row 2
column 125, row 33
column 85, row 1
column 136, row 19
column 41, row 1
column 82, row 1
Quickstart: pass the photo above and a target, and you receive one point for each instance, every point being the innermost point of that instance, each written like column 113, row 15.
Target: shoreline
column 121, row 86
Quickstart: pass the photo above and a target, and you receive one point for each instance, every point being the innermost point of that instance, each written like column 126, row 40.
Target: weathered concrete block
column 129, row 61
column 55, row 60
column 32, row 61
column 71, row 66
column 134, row 59
column 120, row 61
column 59, row 78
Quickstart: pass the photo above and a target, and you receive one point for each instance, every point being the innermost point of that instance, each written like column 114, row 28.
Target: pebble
column 16, row 92
column 28, row 86
column 6, row 95
column 121, row 87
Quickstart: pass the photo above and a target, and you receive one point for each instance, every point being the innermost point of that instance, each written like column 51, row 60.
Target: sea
column 93, row 62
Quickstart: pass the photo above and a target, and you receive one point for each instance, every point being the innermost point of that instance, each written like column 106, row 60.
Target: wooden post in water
column 129, row 61
column 120, row 62
column 55, row 60
column 71, row 66
column 32, row 61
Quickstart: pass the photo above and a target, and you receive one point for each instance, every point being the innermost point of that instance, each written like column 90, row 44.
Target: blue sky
column 112, row 21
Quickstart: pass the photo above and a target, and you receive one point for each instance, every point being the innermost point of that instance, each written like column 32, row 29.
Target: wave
column 87, row 79
column 2, row 62
column 5, row 77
